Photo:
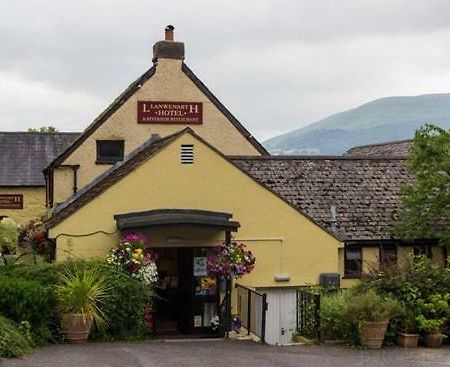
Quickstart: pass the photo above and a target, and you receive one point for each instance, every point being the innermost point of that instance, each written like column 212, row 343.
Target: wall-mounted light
column 282, row 277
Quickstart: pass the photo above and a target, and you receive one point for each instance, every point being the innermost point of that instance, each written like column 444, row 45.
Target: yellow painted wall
column 370, row 258
column 33, row 203
column 211, row 183
column 169, row 83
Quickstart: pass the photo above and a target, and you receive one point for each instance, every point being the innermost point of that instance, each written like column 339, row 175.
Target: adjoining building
column 168, row 159
column 23, row 156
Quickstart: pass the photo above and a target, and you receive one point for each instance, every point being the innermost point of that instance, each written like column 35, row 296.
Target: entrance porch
column 190, row 300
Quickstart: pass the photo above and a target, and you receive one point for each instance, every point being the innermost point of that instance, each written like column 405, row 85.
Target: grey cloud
column 312, row 58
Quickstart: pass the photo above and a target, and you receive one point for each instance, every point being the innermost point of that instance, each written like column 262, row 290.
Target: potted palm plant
column 80, row 296
column 371, row 314
column 407, row 335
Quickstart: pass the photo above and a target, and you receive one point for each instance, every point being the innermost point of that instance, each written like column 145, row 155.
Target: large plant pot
column 371, row 333
column 433, row 340
column 76, row 327
column 407, row 340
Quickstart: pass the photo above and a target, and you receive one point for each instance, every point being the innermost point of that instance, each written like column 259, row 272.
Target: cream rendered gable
column 282, row 239
column 169, row 83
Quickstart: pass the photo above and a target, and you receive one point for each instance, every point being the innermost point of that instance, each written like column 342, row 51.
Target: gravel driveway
column 225, row 353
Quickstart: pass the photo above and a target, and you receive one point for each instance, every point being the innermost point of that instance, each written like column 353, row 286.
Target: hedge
column 125, row 307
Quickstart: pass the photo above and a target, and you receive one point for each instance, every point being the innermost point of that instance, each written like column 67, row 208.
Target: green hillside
column 385, row 119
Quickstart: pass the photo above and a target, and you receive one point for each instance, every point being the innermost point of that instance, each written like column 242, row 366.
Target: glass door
column 206, row 293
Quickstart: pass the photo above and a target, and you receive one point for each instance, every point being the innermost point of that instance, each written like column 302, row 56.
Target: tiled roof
column 390, row 149
column 24, row 155
column 365, row 192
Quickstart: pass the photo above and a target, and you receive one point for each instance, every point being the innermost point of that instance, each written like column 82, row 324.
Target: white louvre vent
column 187, row 154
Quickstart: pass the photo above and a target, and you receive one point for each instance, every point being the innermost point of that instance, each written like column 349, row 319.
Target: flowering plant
column 230, row 261
column 134, row 256
column 33, row 237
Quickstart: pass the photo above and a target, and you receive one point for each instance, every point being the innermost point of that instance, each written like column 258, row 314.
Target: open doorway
column 188, row 296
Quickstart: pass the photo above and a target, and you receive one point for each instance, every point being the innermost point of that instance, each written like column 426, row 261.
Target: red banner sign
column 11, row 201
column 170, row 112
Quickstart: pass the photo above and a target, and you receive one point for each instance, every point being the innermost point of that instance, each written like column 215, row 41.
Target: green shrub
column 433, row 312
column 15, row 340
column 334, row 321
column 125, row 308
column 417, row 278
column 370, row 306
column 28, row 300
column 43, row 273
column 9, row 233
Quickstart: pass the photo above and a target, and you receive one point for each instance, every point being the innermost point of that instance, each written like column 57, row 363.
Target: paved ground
column 225, row 353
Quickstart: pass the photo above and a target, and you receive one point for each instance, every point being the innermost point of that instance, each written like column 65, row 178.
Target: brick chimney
column 168, row 49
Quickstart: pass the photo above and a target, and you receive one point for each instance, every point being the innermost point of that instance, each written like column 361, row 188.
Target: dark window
column 422, row 250
column 388, row 254
column 109, row 151
column 353, row 261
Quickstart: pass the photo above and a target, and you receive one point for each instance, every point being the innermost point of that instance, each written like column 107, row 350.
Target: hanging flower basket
column 134, row 256
column 230, row 261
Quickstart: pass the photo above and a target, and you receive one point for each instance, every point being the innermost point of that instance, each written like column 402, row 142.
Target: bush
column 9, row 232
column 418, row 278
column 124, row 309
column 28, row 300
column 127, row 300
column 46, row 274
column 15, row 341
column 370, row 306
column 334, row 321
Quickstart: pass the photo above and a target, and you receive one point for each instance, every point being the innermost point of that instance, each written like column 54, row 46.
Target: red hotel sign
column 155, row 112
column 11, row 201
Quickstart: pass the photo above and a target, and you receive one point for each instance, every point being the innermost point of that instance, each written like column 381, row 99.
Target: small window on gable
column 109, row 151
column 187, row 154
column 353, row 261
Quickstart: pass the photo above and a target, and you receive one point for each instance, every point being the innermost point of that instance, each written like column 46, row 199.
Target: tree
column 426, row 201
column 43, row 129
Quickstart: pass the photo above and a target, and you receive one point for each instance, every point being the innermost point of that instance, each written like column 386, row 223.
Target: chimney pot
column 168, row 49
column 169, row 32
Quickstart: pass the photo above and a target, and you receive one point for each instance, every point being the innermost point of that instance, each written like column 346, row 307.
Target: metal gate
column 251, row 309
column 308, row 313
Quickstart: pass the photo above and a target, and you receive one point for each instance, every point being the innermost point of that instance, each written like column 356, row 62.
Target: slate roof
column 364, row 191
column 24, row 155
column 399, row 148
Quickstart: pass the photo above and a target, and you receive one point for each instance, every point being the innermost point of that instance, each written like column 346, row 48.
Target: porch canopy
column 161, row 217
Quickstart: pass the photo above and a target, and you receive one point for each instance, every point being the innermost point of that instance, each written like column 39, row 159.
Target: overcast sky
column 277, row 65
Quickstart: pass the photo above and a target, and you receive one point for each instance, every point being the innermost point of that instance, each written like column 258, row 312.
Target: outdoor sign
column 200, row 267
column 155, row 112
column 11, row 201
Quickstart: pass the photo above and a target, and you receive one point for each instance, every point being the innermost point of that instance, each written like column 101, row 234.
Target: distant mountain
column 385, row 119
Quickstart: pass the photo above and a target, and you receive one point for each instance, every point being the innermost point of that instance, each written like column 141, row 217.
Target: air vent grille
column 187, row 154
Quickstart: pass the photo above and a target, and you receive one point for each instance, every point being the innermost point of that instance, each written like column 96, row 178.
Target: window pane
column 353, row 262
column 388, row 255
column 109, row 151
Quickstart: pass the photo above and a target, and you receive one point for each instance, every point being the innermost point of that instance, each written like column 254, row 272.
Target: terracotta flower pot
column 433, row 339
column 407, row 340
column 372, row 333
column 76, row 327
